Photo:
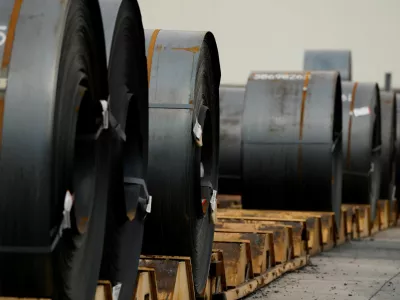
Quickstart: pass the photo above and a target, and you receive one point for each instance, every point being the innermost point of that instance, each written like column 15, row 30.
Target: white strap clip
column 104, row 106
column 198, row 132
column 116, row 290
column 148, row 206
column 213, row 200
column 68, row 202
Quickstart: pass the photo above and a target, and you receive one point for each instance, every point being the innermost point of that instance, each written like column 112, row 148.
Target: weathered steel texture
column 231, row 111
column 326, row 60
column 292, row 144
column 127, row 72
column 184, row 76
column 361, row 143
column 50, row 76
column 388, row 154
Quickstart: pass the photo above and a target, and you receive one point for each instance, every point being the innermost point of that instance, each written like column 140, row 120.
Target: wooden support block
column 394, row 213
column 146, row 284
column 217, row 277
column 384, row 211
column 299, row 230
column 313, row 223
column 229, row 201
column 342, row 235
column 352, row 221
column 364, row 220
column 237, row 260
column 103, row 290
column 173, row 276
column 258, row 282
column 261, row 244
column 282, row 234
column 376, row 224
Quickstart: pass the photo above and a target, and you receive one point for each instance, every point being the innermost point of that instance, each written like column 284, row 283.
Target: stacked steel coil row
column 80, row 172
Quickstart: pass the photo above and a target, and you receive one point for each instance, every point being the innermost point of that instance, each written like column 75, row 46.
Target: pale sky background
column 272, row 35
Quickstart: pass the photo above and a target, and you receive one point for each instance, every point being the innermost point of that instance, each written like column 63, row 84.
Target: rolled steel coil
column 325, row 60
column 388, row 154
column 127, row 69
column 361, row 143
column 184, row 75
column 292, row 144
column 55, row 157
column 231, row 110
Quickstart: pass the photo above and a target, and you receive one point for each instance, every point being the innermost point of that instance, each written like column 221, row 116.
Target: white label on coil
column 362, row 111
column 116, row 290
column 346, row 98
column 197, row 130
column 3, row 84
column 3, row 35
column 277, row 76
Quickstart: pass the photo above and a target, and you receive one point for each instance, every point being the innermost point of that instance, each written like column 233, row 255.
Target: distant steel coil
column 184, row 75
column 292, row 145
column 361, row 143
column 231, row 111
column 325, row 60
column 55, row 158
column 388, row 154
column 129, row 201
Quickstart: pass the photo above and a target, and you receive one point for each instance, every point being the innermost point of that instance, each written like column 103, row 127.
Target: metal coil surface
column 127, row 69
column 361, row 143
column 184, row 75
column 325, row 60
column 388, row 154
column 292, row 146
column 53, row 76
column 231, row 110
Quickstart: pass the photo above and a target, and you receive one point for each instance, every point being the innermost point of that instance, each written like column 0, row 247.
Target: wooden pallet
column 252, row 248
column 311, row 222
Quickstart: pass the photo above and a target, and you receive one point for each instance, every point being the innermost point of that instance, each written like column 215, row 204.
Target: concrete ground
column 368, row 269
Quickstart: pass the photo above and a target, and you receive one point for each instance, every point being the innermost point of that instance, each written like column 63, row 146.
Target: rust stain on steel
column 150, row 53
column 7, row 53
column 194, row 49
column 303, row 104
column 353, row 96
column 11, row 33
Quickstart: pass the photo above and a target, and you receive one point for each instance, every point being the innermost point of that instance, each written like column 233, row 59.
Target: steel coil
column 361, row 143
column 292, row 144
column 184, row 75
column 127, row 69
column 388, row 154
column 325, row 60
column 55, row 159
column 231, row 110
